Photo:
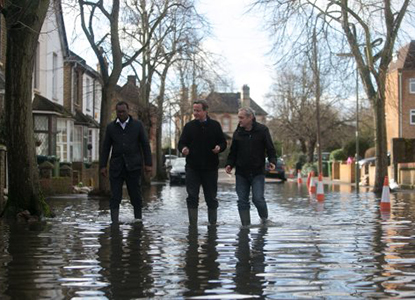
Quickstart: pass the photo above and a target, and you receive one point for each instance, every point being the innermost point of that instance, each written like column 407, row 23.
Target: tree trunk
column 23, row 30
column 380, row 145
column 107, row 95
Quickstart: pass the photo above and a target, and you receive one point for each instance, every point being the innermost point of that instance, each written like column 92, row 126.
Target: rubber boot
column 137, row 213
column 192, row 216
column 263, row 214
column 245, row 217
column 114, row 215
column 212, row 216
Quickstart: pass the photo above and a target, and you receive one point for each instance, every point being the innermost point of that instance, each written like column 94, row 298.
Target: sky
column 238, row 37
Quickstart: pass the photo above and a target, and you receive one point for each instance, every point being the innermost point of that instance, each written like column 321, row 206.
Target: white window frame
column 55, row 76
column 88, row 95
column 412, row 85
column 412, row 117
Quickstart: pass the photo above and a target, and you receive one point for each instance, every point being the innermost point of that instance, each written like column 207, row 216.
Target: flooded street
column 343, row 248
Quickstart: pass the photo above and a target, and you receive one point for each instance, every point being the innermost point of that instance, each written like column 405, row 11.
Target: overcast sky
column 239, row 38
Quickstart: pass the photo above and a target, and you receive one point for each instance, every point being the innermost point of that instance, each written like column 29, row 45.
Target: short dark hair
column 119, row 103
column 204, row 104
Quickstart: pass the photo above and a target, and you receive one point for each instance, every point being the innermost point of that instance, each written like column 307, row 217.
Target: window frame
column 412, row 85
column 412, row 117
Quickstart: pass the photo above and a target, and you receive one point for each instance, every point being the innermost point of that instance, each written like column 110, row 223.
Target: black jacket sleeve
column 269, row 146
column 221, row 141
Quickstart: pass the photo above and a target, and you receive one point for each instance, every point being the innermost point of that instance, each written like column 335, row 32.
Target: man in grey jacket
column 128, row 141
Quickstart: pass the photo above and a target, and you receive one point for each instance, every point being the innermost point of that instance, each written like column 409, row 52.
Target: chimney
column 246, row 99
column 131, row 80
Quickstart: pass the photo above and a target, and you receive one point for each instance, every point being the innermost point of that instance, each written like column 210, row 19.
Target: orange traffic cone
column 308, row 180
column 320, row 188
column 312, row 188
column 299, row 179
column 385, row 202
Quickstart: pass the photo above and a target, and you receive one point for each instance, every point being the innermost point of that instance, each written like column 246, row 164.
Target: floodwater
column 342, row 248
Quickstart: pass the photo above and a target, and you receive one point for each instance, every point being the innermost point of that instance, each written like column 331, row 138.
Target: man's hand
column 185, row 151
column 216, row 149
column 148, row 169
column 104, row 172
column 271, row 166
column 228, row 169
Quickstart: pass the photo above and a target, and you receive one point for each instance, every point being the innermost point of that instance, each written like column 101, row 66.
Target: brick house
column 223, row 107
column 400, row 95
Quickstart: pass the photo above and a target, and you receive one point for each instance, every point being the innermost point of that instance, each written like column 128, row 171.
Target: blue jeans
column 243, row 188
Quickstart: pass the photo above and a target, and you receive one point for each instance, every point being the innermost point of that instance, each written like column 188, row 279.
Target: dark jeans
column 132, row 179
column 243, row 188
column 209, row 181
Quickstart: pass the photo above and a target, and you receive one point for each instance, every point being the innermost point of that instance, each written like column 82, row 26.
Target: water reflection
column 251, row 263
column 201, row 266
column 126, row 263
column 341, row 248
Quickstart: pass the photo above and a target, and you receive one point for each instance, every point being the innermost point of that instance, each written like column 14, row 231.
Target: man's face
column 198, row 112
column 122, row 112
column 244, row 120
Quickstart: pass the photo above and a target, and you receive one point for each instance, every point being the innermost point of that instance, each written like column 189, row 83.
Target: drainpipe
column 400, row 102
column 395, row 165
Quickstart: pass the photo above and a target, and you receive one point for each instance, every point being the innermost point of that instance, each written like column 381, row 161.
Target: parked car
column 169, row 159
column 278, row 172
column 177, row 173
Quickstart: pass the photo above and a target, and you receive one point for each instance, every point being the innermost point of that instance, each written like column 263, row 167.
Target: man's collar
column 119, row 121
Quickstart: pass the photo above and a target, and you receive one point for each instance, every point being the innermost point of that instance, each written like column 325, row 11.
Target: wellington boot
column 114, row 215
column 245, row 217
column 192, row 216
column 137, row 213
column 212, row 216
column 263, row 214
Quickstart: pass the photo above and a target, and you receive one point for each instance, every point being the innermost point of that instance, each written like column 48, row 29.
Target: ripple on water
column 343, row 248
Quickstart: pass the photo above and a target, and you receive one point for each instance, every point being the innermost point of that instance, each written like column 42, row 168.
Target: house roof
column 405, row 58
column 82, row 119
column 230, row 103
column 42, row 104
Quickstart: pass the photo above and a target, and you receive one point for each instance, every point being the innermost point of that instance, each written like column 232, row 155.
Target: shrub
column 338, row 155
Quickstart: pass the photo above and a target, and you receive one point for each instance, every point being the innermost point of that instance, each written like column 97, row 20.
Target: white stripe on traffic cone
column 299, row 179
column 385, row 202
column 320, row 188
column 312, row 188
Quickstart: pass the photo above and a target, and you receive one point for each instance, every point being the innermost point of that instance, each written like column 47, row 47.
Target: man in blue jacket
column 201, row 141
column 127, row 139
column 250, row 141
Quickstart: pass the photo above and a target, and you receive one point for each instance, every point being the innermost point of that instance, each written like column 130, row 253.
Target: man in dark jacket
column 250, row 141
column 201, row 141
column 127, row 139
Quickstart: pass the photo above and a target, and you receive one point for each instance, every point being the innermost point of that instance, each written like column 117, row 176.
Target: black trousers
column 133, row 181
column 208, row 179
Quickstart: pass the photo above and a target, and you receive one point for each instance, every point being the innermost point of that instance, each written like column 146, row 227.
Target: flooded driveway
column 343, row 248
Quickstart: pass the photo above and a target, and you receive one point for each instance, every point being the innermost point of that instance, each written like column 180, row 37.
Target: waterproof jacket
column 248, row 150
column 201, row 138
column 128, row 145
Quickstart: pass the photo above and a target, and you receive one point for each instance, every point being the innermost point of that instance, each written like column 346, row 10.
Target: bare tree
column 368, row 30
column 24, row 20
column 293, row 103
column 101, row 25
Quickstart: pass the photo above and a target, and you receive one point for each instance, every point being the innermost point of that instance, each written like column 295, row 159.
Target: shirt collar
column 126, row 121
